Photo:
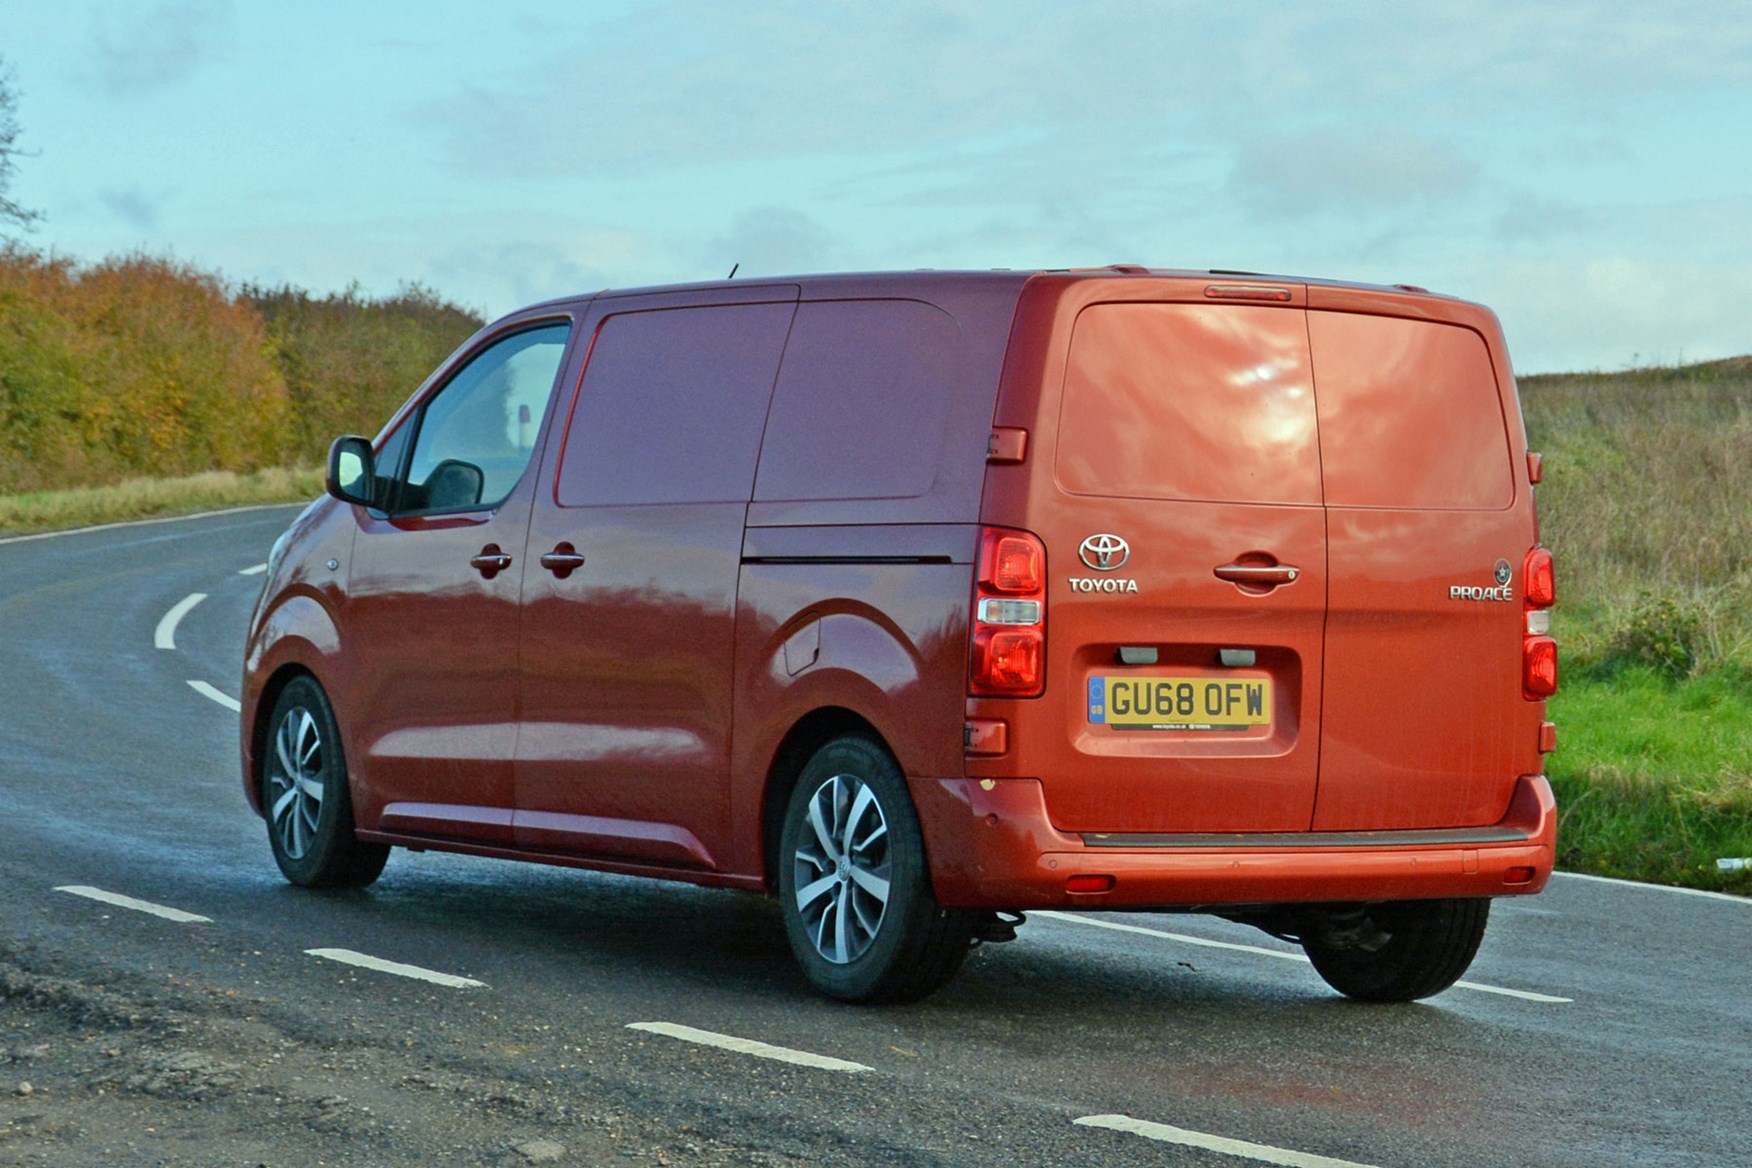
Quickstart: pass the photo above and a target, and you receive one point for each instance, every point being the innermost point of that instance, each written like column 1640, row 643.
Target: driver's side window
column 474, row 438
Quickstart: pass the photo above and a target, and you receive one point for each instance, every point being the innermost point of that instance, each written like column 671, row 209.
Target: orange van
column 920, row 600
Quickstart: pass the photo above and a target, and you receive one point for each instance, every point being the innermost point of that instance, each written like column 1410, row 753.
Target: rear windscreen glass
column 1189, row 401
column 1409, row 414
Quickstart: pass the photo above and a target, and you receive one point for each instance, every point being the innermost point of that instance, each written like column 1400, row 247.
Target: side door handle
column 563, row 560
column 490, row 561
column 1258, row 575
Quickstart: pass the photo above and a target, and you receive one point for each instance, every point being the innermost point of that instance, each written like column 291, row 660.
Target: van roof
column 922, row 280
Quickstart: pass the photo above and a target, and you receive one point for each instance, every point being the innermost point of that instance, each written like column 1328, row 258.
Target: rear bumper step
column 992, row 846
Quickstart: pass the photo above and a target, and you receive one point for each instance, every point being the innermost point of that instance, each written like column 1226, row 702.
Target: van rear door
column 1424, row 725
column 1186, row 549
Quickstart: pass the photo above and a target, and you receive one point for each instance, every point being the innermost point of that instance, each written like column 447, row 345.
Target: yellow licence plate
column 1180, row 703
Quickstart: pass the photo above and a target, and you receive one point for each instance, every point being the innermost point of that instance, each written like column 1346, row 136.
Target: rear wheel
column 854, row 884
column 305, row 796
column 1401, row 950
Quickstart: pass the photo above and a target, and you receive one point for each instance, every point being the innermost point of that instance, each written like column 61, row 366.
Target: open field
column 1647, row 503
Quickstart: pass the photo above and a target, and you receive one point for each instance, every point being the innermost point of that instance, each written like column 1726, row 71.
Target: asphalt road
column 1625, row 1037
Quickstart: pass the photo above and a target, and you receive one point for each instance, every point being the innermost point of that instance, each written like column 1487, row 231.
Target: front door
column 431, row 615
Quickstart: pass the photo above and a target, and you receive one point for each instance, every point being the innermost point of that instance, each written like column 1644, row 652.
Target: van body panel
column 885, row 642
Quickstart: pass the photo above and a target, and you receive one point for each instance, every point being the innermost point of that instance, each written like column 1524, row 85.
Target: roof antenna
column 733, row 268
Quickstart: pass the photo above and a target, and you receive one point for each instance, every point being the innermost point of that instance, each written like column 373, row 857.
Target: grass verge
column 151, row 498
column 1654, row 777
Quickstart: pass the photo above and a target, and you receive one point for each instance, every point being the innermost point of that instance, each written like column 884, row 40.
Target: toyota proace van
column 921, row 600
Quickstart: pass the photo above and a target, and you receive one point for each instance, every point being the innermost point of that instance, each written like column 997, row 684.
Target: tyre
column 854, row 884
column 1408, row 949
column 305, row 797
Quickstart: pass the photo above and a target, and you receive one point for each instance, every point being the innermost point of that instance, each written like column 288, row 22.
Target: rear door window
column 1409, row 414
column 1193, row 402
column 672, row 406
column 862, row 399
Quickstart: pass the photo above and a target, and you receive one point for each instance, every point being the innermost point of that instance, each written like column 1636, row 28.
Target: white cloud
column 135, row 49
column 1353, row 169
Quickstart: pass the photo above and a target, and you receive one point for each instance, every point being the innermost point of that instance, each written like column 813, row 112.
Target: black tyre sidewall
column 335, row 857
column 1432, row 943
column 916, row 940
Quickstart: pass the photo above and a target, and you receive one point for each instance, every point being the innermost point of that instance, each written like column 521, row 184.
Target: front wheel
column 854, row 883
column 305, row 796
column 1404, row 950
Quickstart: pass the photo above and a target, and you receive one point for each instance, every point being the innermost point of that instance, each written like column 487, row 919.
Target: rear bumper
column 992, row 847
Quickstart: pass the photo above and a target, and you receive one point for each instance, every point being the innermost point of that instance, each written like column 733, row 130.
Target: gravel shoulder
column 95, row 1074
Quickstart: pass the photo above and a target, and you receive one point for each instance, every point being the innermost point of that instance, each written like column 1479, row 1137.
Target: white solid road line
column 363, row 961
column 781, row 1054
column 1259, row 951
column 208, row 691
column 145, row 906
column 1264, row 1153
column 164, row 636
column 1742, row 901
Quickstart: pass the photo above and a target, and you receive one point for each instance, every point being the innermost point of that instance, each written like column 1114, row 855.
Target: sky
column 1584, row 168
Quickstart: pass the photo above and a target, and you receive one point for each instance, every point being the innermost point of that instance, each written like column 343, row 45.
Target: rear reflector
column 1096, row 884
column 1517, row 875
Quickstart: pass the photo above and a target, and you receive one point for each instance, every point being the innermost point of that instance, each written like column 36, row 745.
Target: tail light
column 1009, row 616
column 1538, row 649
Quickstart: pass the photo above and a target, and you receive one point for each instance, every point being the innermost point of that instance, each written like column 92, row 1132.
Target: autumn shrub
column 135, row 366
column 349, row 360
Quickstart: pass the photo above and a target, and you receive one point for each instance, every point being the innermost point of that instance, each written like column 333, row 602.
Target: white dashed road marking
column 255, row 570
column 363, row 961
column 208, row 691
column 1263, row 1153
column 145, row 906
column 781, row 1054
column 1259, row 951
column 164, row 636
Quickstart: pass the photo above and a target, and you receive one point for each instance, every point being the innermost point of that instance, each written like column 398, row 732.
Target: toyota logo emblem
column 1104, row 552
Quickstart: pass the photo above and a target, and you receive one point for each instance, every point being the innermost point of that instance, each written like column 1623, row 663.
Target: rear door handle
column 563, row 560
column 1258, row 575
column 491, row 561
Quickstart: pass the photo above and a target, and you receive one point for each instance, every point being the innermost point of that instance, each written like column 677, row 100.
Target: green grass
column 1647, row 505
column 1654, row 776
column 152, row 498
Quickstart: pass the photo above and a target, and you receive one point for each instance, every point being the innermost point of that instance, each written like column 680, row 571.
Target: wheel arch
column 260, row 727
column 806, row 736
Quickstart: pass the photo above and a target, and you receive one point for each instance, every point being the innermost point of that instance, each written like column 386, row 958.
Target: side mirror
column 352, row 471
